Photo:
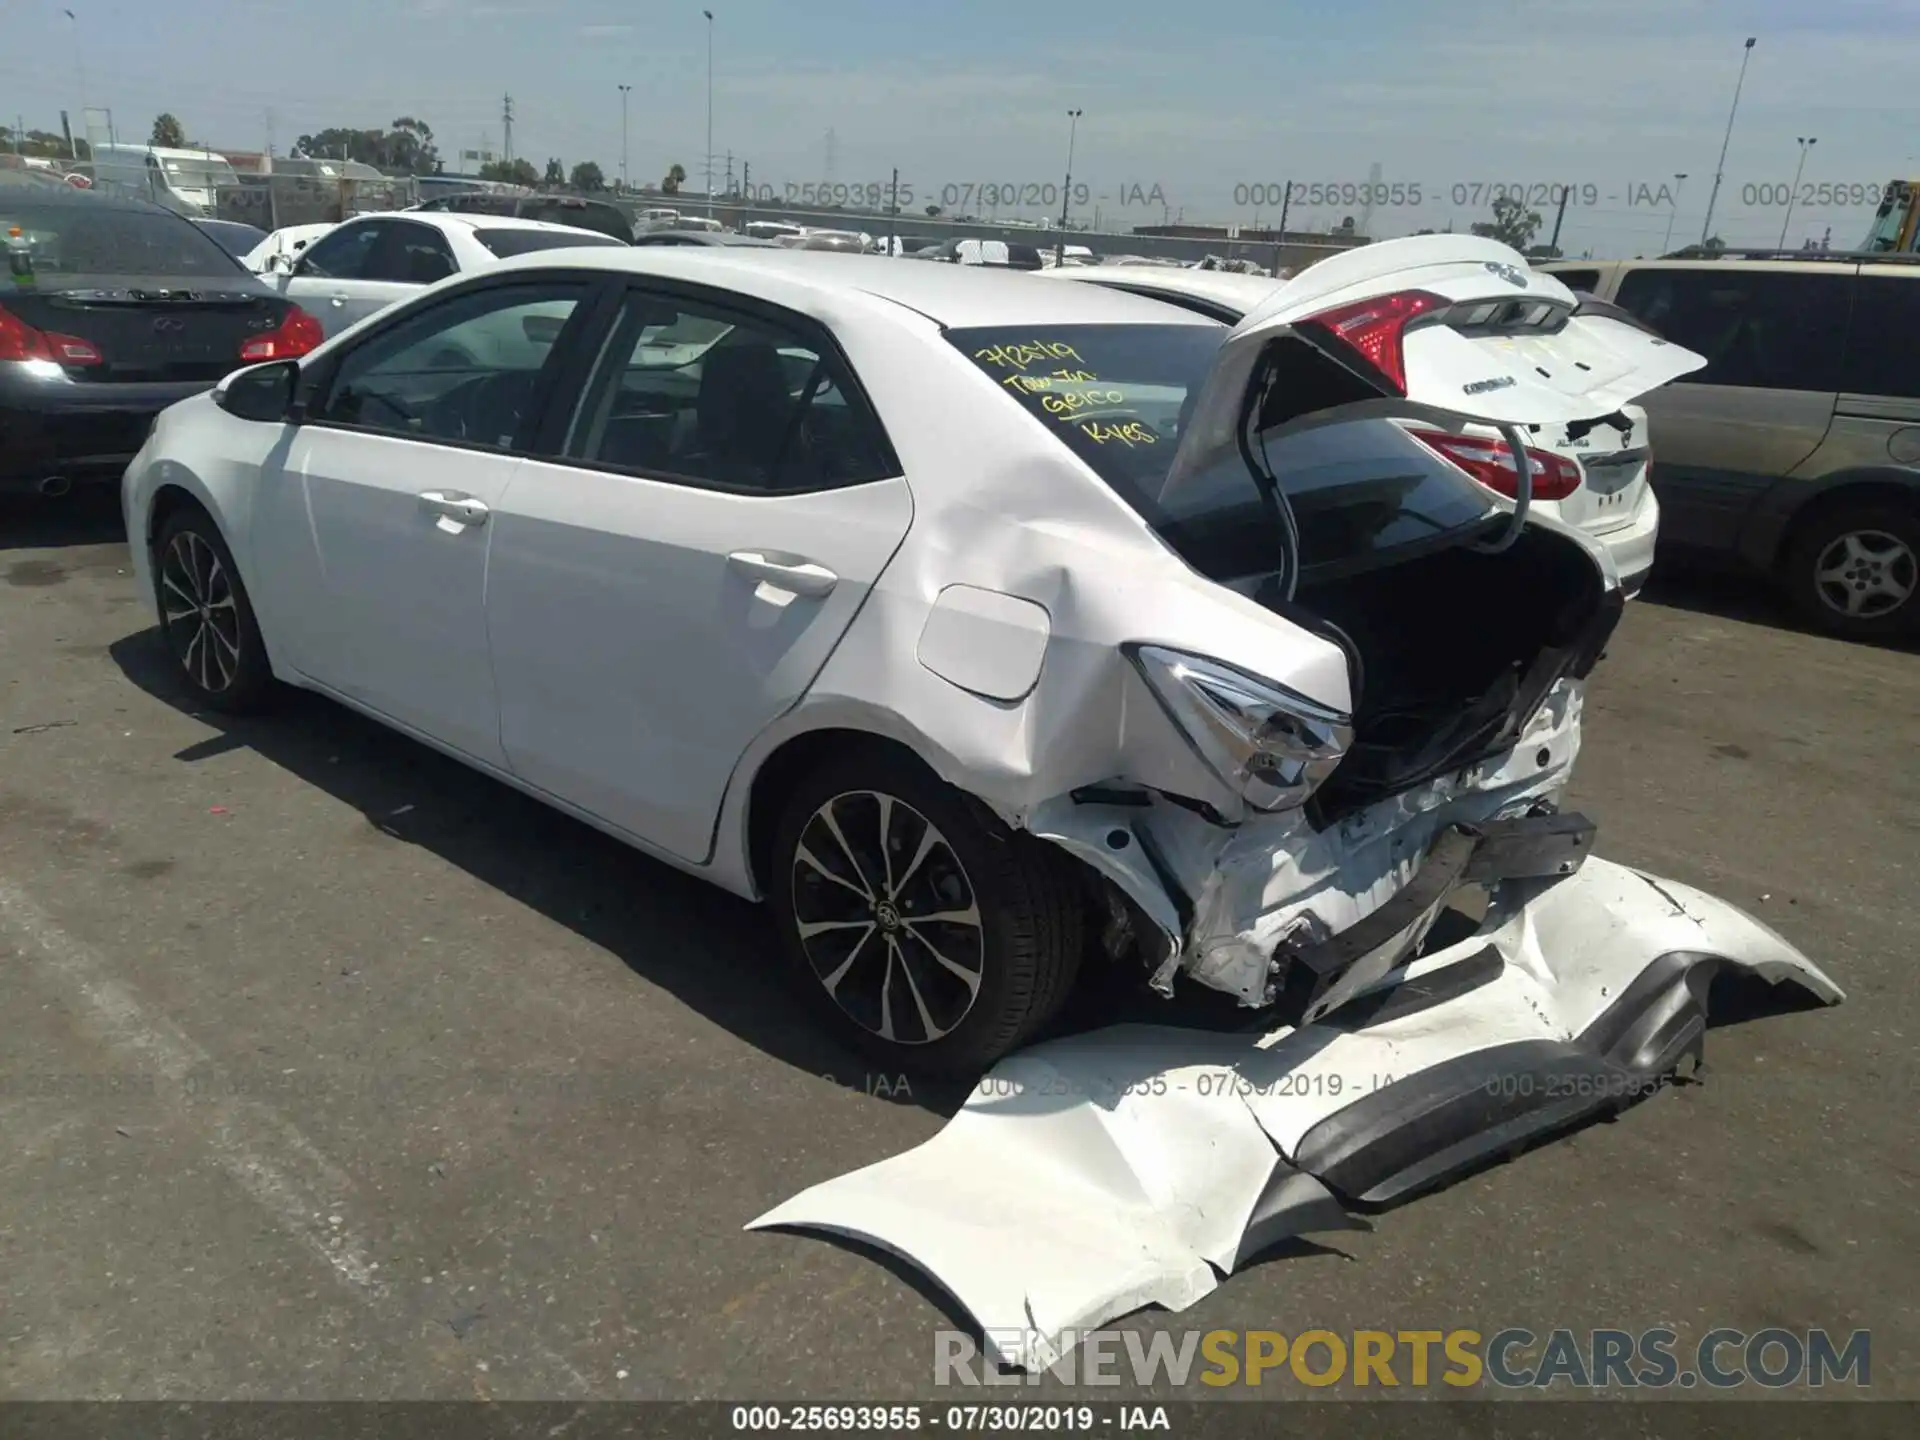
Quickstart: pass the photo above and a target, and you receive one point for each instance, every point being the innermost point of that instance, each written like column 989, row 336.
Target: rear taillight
column 297, row 333
column 20, row 341
column 1555, row 477
column 1376, row 329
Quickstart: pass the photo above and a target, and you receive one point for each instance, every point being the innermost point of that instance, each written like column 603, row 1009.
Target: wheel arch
column 1795, row 505
column 775, row 776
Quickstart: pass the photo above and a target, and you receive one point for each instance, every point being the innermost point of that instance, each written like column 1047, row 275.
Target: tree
column 587, row 176
column 43, row 143
column 676, row 177
column 168, row 133
column 511, row 172
column 407, row 147
column 556, row 174
column 1513, row 224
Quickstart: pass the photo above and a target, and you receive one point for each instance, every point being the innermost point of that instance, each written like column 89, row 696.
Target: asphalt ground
column 330, row 1069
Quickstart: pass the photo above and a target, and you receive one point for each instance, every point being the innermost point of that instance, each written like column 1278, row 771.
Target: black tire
column 1886, row 552
column 1029, row 903
column 206, row 618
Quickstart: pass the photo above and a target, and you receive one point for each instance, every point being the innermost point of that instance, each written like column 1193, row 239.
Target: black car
column 581, row 214
column 236, row 237
column 703, row 237
column 127, row 309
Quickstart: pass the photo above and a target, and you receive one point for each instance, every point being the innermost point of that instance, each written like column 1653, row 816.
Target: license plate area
column 1611, row 474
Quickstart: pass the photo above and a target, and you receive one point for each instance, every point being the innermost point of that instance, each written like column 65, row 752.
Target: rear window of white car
column 508, row 242
column 1118, row 395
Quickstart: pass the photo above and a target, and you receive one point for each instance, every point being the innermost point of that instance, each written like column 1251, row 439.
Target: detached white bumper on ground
column 1094, row 1175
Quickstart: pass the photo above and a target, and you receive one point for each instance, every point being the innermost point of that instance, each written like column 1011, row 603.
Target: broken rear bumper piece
column 1097, row 1174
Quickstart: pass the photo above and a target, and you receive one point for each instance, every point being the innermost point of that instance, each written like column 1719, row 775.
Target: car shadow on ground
column 88, row 516
column 1704, row 588
column 713, row 951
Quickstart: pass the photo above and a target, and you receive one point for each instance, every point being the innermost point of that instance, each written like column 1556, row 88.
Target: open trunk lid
column 1448, row 328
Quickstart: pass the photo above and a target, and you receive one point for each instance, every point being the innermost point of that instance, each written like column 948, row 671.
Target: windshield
column 505, row 243
column 88, row 239
column 1117, row 396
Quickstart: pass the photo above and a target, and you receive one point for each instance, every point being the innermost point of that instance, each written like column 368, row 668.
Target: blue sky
column 1198, row 99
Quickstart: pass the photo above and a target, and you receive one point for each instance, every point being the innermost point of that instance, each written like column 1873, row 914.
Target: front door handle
column 451, row 505
column 787, row 572
column 339, row 298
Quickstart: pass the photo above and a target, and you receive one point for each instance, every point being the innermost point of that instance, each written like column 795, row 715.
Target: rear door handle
column 451, row 505
column 788, row 572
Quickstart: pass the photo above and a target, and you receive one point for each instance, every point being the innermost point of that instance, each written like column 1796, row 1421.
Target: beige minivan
column 1796, row 451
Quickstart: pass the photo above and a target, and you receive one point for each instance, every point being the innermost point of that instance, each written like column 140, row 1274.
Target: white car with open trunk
column 989, row 628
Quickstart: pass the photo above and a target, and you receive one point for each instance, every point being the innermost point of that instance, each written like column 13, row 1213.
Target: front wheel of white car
column 206, row 616
column 929, row 934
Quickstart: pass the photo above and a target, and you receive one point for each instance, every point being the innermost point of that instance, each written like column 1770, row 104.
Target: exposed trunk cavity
column 1451, row 654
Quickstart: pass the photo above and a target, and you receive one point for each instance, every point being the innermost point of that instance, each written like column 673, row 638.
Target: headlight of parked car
column 1270, row 744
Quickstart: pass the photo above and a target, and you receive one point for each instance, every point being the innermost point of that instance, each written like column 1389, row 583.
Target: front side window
column 1774, row 330
column 1584, row 281
column 345, row 254
column 412, row 254
column 1118, row 396
column 690, row 390
column 464, row 370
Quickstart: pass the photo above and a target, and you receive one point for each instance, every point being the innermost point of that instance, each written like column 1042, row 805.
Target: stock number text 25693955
column 872, row 195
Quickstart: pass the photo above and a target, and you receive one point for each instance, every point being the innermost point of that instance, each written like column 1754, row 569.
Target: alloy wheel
column 887, row 917
column 198, row 610
column 1865, row 574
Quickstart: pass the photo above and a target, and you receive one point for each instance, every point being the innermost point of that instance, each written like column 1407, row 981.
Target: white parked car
column 362, row 266
column 1592, row 476
column 983, row 627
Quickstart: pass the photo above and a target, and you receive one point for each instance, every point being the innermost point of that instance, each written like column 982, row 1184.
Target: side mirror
column 259, row 392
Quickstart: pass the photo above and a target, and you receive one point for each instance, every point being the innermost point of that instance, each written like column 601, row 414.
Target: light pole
column 1066, row 191
column 624, row 89
column 709, row 15
column 1720, row 169
column 80, row 70
column 1807, row 142
column 1673, row 214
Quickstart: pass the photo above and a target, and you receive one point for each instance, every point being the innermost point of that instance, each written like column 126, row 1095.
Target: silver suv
column 1797, row 450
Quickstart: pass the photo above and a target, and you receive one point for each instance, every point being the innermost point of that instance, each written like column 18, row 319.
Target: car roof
column 704, row 237
column 467, row 220
column 961, row 296
column 61, row 193
column 1222, row 287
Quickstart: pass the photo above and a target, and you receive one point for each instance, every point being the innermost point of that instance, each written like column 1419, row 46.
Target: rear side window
column 1883, row 346
column 413, row 255
column 1758, row 329
column 691, row 391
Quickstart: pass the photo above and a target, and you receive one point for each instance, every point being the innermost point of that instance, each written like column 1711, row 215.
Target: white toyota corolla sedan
column 1594, row 476
column 983, row 626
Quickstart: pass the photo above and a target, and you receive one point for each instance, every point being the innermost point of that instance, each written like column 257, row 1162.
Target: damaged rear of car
column 1353, row 692
column 1464, row 627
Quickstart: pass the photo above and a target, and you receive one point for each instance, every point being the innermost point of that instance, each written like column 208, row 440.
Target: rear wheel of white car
column 930, row 935
column 1856, row 571
column 206, row 616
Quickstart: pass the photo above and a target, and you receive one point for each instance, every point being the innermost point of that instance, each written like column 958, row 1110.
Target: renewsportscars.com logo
column 1512, row 1359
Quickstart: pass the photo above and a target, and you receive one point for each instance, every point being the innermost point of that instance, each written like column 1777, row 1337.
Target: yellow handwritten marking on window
column 1070, row 404
column 1026, row 354
column 1027, row 384
column 1130, row 433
